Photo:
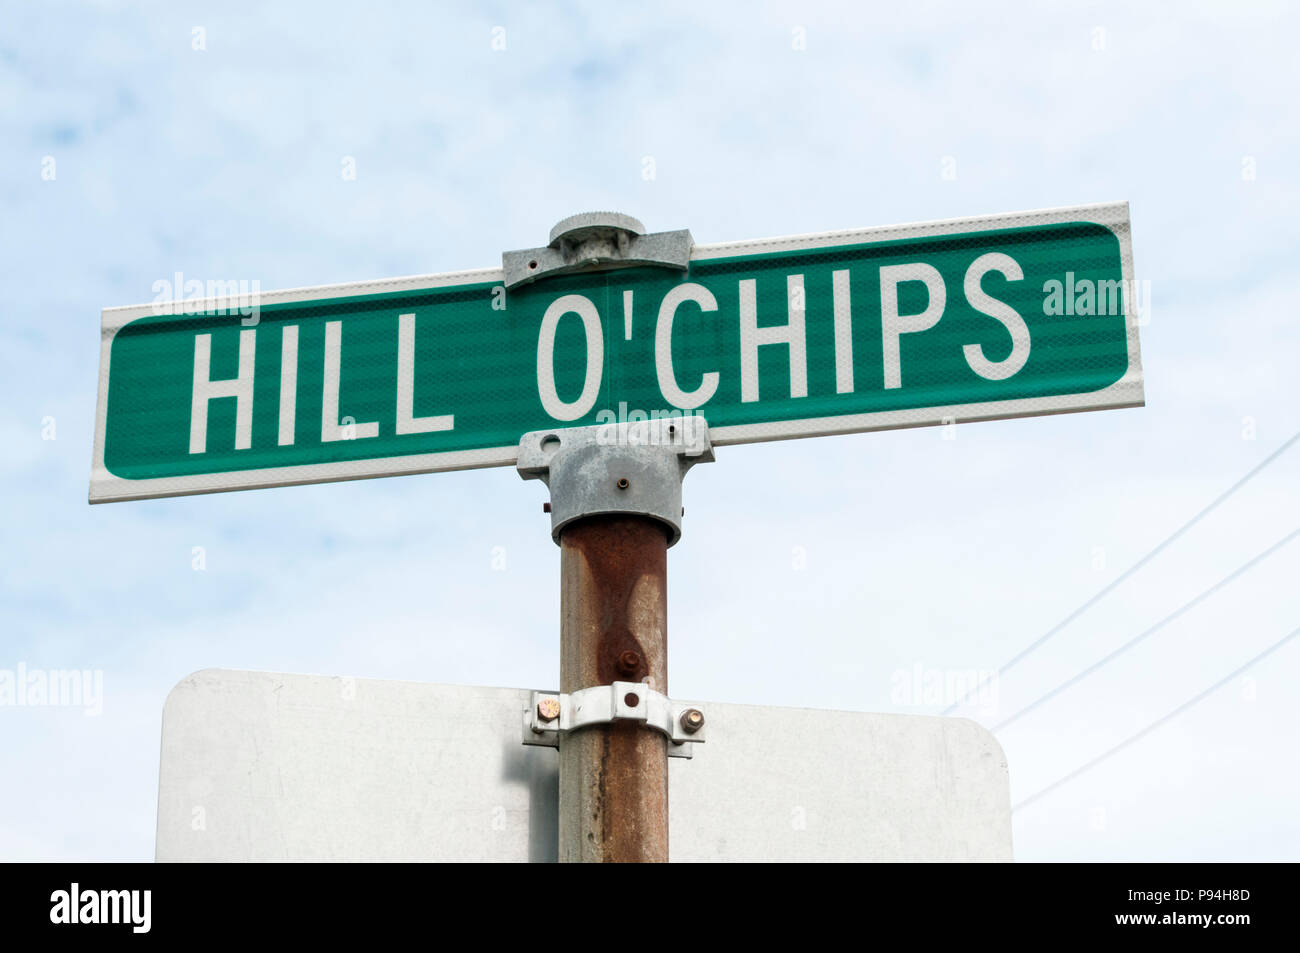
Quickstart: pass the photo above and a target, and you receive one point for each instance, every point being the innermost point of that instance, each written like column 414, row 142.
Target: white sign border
column 105, row 487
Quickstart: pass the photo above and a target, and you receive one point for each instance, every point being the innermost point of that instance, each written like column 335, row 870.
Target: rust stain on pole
column 613, row 610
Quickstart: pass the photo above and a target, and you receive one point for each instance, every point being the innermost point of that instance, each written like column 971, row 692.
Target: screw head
column 692, row 720
column 628, row 662
column 548, row 709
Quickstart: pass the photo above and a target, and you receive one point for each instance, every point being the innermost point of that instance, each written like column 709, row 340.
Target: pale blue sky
column 225, row 163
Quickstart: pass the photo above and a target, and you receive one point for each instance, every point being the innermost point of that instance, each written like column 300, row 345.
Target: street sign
column 900, row 326
column 258, row 766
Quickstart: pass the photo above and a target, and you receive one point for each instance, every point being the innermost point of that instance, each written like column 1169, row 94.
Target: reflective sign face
column 901, row 326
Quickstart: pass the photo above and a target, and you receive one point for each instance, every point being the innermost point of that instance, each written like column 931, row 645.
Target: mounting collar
column 596, row 241
column 625, row 469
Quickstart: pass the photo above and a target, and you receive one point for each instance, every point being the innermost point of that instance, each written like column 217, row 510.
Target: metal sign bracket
column 552, row 714
column 628, row 469
column 596, row 241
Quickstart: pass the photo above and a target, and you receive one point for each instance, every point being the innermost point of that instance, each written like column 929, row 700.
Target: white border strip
column 1127, row 392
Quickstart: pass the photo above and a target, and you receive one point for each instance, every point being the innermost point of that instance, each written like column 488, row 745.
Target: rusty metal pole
column 616, row 508
column 613, row 627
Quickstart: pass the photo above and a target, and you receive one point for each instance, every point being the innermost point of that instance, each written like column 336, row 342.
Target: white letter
column 329, row 422
column 59, row 912
column 664, row 347
column 546, row 357
column 162, row 289
column 843, row 332
column 406, row 423
column 1055, row 293
column 996, row 370
column 92, row 693
column 288, row 382
column 240, row 388
column 141, row 914
column 893, row 324
column 752, row 336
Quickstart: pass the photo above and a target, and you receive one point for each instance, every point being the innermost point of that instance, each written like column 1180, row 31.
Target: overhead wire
column 1127, row 573
column 1089, row 765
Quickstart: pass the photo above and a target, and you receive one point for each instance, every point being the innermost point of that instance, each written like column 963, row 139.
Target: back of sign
column 258, row 766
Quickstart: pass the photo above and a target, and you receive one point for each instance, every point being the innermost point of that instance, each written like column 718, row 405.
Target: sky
column 138, row 140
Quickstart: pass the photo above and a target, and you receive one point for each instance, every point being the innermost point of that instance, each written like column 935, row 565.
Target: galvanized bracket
column 552, row 714
column 616, row 469
column 597, row 241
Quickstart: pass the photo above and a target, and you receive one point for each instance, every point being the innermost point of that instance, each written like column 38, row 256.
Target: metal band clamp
column 551, row 714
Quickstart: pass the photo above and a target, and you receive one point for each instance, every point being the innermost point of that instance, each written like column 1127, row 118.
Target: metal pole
column 616, row 494
column 613, row 627
column 616, row 508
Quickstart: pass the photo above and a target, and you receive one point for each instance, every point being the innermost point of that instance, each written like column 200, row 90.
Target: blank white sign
column 258, row 766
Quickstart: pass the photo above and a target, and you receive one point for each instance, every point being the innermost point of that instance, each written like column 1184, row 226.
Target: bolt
column 622, row 483
column 692, row 720
column 548, row 709
column 631, row 699
column 628, row 662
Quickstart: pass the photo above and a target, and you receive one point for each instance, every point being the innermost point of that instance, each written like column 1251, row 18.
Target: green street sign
column 976, row 319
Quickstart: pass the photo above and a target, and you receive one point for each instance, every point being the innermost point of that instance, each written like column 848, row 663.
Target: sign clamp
column 633, row 468
column 595, row 241
column 552, row 714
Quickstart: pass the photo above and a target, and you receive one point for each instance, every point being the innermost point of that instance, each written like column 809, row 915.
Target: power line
column 1158, row 722
column 1205, row 594
column 1105, row 590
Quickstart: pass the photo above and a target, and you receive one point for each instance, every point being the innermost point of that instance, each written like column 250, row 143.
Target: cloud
column 225, row 162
